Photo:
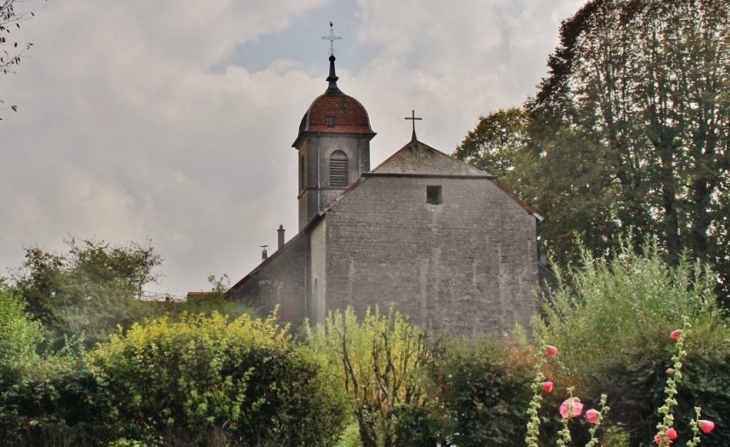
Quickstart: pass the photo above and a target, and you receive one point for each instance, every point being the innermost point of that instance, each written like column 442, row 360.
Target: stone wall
column 315, row 152
column 467, row 265
column 280, row 280
column 318, row 272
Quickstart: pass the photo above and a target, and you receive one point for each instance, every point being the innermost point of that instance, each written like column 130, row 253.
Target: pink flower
column 672, row 433
column 547, row 386
column 706, row 426
column 592, row 415
column 658, row 440
column 571, row 408
column 551, row 350
column 676, row 335
column 670, row 371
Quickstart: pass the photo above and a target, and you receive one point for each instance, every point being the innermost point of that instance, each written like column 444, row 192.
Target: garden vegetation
column 178, row 378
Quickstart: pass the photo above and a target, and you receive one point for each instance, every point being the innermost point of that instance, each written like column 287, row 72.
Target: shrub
column 19, row 336
column 485, row 388
column 611, row 319
column 379, row 363
column 204, row 381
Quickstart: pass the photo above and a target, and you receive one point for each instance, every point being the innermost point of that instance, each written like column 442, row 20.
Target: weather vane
column 332, row 39
column 413, row 119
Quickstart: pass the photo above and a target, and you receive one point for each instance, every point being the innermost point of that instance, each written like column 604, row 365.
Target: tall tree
column 631, row 129
column 496, row 141
column 649, row 84
column 89, row 290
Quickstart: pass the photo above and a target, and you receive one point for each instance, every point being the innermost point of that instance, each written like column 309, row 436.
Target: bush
column 611, row 320
column 485, row 389
column 19, row 336
column 379, row 363
column 206, row 381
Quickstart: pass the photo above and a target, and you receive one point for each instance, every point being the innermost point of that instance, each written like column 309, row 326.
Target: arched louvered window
column 338, row 169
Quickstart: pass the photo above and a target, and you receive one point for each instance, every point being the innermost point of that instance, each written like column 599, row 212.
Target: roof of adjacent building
column 421, row 160
column 416, row 158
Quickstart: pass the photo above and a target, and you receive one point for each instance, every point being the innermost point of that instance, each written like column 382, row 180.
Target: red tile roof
column 349, row 115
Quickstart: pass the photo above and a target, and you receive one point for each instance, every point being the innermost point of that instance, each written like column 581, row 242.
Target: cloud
column 135, row 120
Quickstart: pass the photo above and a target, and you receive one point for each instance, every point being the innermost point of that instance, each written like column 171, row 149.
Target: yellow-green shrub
column 207, row 381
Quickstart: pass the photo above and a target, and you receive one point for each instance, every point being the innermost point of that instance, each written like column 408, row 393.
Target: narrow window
column 301, row 173
column 338, row 169
column 433, row 195
column 330, row 121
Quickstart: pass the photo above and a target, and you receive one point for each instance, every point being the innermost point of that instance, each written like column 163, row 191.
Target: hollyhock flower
column 658, row 440
column 676, row 335
column 672, row 433
column 551, row 350
column 547, row 386
column 706, row 426
column 670, row 371
column 571, row 408
column 592, row 415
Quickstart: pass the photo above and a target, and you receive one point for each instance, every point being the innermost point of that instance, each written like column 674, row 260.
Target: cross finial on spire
column 332, row 79
column 332, row 39
column 413, row 120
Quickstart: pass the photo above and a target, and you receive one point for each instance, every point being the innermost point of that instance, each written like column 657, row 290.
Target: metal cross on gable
column 332, row 39
column 413, row 120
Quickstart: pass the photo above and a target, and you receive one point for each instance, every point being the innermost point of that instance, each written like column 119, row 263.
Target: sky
column 170, row 122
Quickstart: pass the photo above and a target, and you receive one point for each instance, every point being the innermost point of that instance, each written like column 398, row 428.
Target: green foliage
column 485, row 389
column 496, row 141
column 631, row 129
column 204, row 378
column 612, row 319
column 87, row 291
column 207, row 303
column 379, row 363
column 53, row 405
column 19, row 336
column 647, row 84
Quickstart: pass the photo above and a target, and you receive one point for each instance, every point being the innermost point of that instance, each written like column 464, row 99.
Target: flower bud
column 706, row 426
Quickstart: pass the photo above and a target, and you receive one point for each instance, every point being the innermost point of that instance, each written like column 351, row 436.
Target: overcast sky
column 172, row 120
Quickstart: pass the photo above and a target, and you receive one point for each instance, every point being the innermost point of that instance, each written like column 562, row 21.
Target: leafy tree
column 611, row 320
column 87, row 291
column 646, row 84
column 10, row 20
column 631, row 129
column 498, row 138
column 379, row 364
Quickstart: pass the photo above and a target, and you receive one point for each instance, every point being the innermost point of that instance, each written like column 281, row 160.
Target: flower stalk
column 662, row 437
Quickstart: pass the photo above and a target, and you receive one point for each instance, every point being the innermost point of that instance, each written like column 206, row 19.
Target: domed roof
column 335, row 112
column 349, row 115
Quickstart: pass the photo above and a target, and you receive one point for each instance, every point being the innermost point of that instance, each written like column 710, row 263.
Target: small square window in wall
column 330, row 121
column 434, row 195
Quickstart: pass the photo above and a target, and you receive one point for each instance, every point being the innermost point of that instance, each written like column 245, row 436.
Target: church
column 424, row 233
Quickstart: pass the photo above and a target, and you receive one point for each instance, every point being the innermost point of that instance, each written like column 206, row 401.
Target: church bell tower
column 333, row 144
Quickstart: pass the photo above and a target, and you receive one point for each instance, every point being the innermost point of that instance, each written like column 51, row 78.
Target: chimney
column 264, row 254
column 281, row 236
